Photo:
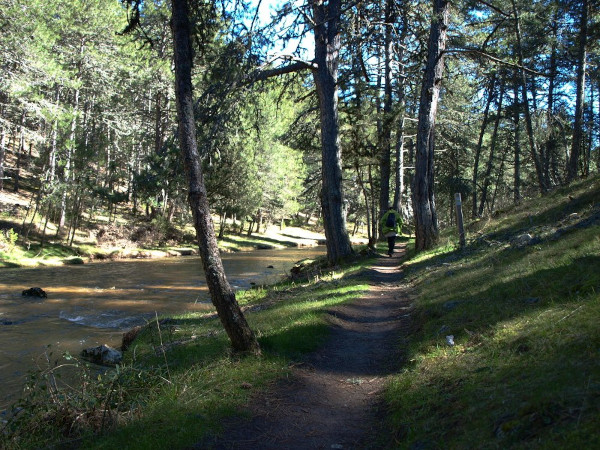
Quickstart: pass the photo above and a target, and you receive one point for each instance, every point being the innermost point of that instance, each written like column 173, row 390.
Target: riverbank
column 94, row 304
column 27, row 243
column 179, row 374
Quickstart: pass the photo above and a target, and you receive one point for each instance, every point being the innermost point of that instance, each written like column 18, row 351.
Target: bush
column 8, row 240
column 68, row 399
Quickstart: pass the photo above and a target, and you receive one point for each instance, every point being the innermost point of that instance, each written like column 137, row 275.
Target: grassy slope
column 206, row 384
column 525, row 368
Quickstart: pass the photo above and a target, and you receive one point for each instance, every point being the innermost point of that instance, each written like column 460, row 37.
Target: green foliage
column 8, row 240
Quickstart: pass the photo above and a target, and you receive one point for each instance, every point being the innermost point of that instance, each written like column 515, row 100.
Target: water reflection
column 92, row 304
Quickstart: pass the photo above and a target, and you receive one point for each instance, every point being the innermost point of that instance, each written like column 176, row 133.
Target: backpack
column 390, row 222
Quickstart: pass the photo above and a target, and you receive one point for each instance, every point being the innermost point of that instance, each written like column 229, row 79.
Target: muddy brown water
column 94, row 304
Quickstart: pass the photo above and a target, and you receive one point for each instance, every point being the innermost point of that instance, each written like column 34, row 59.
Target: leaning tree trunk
column 327, row 48
column 426, row 225
column 223, row 297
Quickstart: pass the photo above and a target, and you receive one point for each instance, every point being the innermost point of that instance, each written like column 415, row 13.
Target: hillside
column 505, row 346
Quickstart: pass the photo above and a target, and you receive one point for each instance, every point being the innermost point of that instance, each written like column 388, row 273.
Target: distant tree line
column 88, row 117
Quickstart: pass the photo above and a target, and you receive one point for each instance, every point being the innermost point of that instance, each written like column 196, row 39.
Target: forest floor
column 332, row 398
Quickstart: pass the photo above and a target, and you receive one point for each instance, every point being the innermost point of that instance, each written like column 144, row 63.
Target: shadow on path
column 332, row 398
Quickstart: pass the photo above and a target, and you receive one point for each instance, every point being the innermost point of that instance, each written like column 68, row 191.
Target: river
column 95, row 303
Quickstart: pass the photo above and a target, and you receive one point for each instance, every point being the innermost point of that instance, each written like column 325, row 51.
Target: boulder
column 102, row 355
column 35, row 292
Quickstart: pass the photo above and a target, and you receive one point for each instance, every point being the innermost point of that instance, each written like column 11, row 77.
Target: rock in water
column 35, row 292
column 103, row 355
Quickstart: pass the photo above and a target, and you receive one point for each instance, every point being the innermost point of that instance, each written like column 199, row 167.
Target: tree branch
column 263, row 74
column 475, row 52
column 498, row 10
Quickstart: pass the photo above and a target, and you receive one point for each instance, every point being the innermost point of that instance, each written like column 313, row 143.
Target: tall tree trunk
column 499, row 176
column 551, row 145
column 517, row 147
column 374, row 221
column 386, row 125
column 528, row 121
column 327, row 48
column 20, row 151
column 401, row 92
column 426, row 225
column 53, row 145
column 158, row 128
column 2, row 156
column 399, row 168
column 590, row 135
column 490, row 164
column 486, row 112
column 365, row 193
column 69, row 161
column 577, row 142
column 222, row 295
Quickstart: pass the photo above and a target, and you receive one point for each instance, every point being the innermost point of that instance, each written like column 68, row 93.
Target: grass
column 525, row 368
column 176, row 398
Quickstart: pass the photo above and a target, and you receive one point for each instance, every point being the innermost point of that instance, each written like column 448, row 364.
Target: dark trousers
column 391, row 242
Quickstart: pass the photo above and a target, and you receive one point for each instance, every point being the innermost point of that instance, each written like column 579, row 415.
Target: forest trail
column 331, row 399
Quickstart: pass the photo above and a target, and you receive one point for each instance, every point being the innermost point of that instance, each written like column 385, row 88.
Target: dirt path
column 331, row 400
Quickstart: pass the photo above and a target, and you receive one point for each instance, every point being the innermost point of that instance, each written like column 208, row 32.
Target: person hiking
column 391, row 226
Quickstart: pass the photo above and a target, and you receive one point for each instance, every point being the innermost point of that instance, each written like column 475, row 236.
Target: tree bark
column 327, row 48
column 401, row 102
column 2, row 153
column 426, row 225
column 551, row 144
column 577, row 142
column 372, row 240
column 20, row 150
column 517, row 147
column 68, row 173
column 223, row 297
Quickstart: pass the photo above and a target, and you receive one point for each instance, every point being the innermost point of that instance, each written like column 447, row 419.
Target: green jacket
column 385, row 229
